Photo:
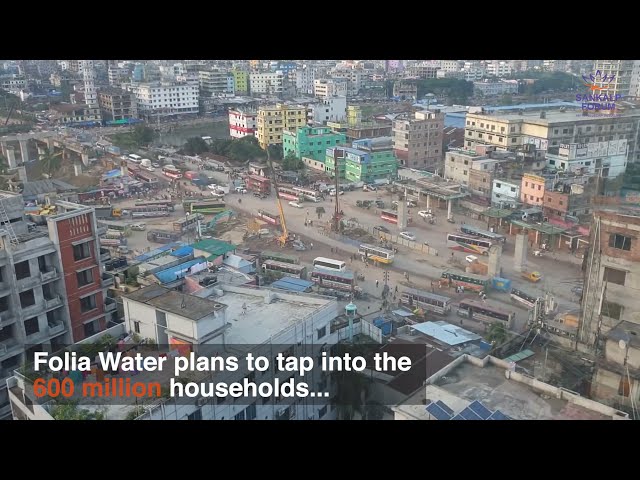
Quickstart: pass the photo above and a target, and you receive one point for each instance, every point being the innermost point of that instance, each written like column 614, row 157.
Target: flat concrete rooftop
column 188, row 306
column 263, row 319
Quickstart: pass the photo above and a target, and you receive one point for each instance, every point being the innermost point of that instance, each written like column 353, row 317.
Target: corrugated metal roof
column 41, row 187
column 182, row 251
column 292, row 284
column 179, row 271
column 158, row 251
column 446, row 333
column 516, row 357
column 214, row 247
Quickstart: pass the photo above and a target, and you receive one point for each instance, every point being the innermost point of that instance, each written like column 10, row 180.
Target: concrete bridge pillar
column 22, row 174
column 77, row 168
column 449, row 202
column 85, row 159
column 520, row 255
column 11, row 157
column 24, row 150
column 428, row 202
column 41, row 151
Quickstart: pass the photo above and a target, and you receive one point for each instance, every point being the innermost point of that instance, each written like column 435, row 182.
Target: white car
column 217, row 194
column 155, row 165
column 425, row 213
column 295, row 204
column 212, row 186
column 408, row 236
column 332, row 193
column 471, row 258
column 241, row 190
column 139, row 227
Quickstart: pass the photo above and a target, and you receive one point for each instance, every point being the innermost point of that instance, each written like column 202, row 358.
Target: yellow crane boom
column 285, row 233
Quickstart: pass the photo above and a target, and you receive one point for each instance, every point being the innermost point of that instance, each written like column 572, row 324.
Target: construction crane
column 283, row 239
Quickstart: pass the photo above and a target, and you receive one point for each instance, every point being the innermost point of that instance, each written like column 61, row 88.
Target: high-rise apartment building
column 417, row 141
column 273, row 120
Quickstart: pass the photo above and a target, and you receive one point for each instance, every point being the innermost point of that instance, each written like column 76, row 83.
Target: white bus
column 377, row 254
column 329, row 264
column 135, row 158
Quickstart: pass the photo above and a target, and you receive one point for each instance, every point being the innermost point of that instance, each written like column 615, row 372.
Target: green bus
column 469, row 281
column 279, row 257
column 207, row 207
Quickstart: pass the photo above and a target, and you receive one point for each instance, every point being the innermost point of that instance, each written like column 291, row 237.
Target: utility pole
column 337, row 153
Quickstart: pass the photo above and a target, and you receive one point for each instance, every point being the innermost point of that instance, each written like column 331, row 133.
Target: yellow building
column 354, row 115
column 272, row 120
column 241, row 80
column 504, row 131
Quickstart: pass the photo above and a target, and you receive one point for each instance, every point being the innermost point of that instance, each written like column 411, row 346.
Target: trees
column 143, row 135
column 50, row 162
column 458, row 91
column 195, row 146
column 246, row 149
column 497, row 334
column 291, row 162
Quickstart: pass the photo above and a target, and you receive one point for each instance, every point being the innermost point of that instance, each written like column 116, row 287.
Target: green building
column 241, row 79
column 367, row 160
column 311, row 142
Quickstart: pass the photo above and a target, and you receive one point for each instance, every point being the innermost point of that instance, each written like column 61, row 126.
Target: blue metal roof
column 436, row 411
column 182, row 251
column 179, row 271
column 292, row 284
column 455, row 119
column 479, row 409
column 446, row 332
column 525, row 106
column 158, row 251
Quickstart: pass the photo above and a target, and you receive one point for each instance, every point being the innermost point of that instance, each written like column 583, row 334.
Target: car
column 212, row 186
column 425, row 213
column 217, row 194
column 258, row 194
column 369, row 188
column 332, row 193
column 382, row 228
column 471, row 258
column 408, row 236
column 139, row 227
column 155, row 165
column 241, row 190
column 379, row 204
column 151, row 169
column 295, row 204
column 411, row 204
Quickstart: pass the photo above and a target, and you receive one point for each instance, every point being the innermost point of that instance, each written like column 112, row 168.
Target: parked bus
column 377, row 254
column 334, row 279
column 207, row 207
column 188, row 223
column 162, row 236
column 392, row 217
column 279, row 257
column 478, row 232
column 525, row 299
column 171, row 172
column 271, row 218
column 469, row 281
column 157, row 203
column 310, row 195
column 482, row 312
column 468, row 244
column 430, row 302
column 288, row 269
column 258, row 184
column 287, row 193
column 329, row 264
column 147, row 212
column 135, row 158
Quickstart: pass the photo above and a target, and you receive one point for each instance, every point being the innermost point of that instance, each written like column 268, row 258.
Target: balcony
column 106, row 280
column 109, row 305
column 101, row 231
column 29, row 282
column 9, row 347
column 105, row 256
column 6, row 318
column 56, row 328
column 5, row 289
column 54, row 302
column 49, row 275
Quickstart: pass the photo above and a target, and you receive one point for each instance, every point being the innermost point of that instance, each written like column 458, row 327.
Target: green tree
column 497, row 334
column 50, row 161
column 221, row 146
column 291, row 162
column 507, row 99
column 195, row 146
column 245, row 150
column 143, row 135
column 71, row 411
column 276, row 151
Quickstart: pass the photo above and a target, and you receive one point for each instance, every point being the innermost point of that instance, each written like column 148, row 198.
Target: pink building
column 532, row 190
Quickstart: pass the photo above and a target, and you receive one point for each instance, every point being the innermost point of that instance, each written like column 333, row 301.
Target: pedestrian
column 311, row 246
column 377, row 283
column 396, row 289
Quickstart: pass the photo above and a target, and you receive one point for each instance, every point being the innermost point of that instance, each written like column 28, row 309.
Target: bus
column 333, row 279
column 478, row 232
column 469, row 281
column 279, row 257
column 170, row 172
column 310, row 195
column 135, row 158
column 525, row 299
column 162, row 236
column 188, row 223
column 268, row 217
column 431, row 302
column 477, row 310
column 289, row 194
column 157, row 203
column 392, row 217
column 468, row 244
column 287, row 269
column 329, row 264
column 377, row 254
column 147, row 212
column 207, row 206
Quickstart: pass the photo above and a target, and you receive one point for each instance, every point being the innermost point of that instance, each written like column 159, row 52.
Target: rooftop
column 490, row 381
column 214, row 247
column 41, row 187
column 256, row 315
column 446, row 333
column 188, row 306
column 552, row 116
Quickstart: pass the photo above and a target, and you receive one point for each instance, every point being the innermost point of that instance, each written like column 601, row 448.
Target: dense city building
column 310, row 142
column 273, row 120
column 242, row 123
column 418, row 140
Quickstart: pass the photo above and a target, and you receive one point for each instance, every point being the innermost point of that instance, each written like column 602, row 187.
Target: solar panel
column 498, row 415
column 458, row 417
column 479, row 409
column 438, row 412
column 469, row 414
column 444, row 407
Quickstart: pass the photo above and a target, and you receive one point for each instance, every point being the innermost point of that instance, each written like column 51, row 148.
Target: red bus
column 171, row 172
column 289, row 194
column 269, row 217
column 258, row 184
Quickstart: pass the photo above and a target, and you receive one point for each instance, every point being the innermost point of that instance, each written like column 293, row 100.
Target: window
column 197, row 415
column 322, row 412
column 513, row 140
column 322, row 332
column 250, row 412
column 549, row 199
column 613, row 275
column 620, row 242
column 27, row 299
column 82, row 251
column 513, row 189
column 498, row 185
column 502, row 129
column 464, row 172
column 539, row 187
column 84, row 277
column 90, row 328
column 31, row 326
column 22, row 270
column 466, row 162
column 526, row 184
column 513, row 129
column 88, row 303
column 611, row 310
column 136, row 326
column 240, row 416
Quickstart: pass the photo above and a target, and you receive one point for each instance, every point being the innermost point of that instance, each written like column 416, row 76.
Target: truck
column 112, row 242
column 146, row 163
column 191, row 175
column 258, row 184
column 108, row 212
